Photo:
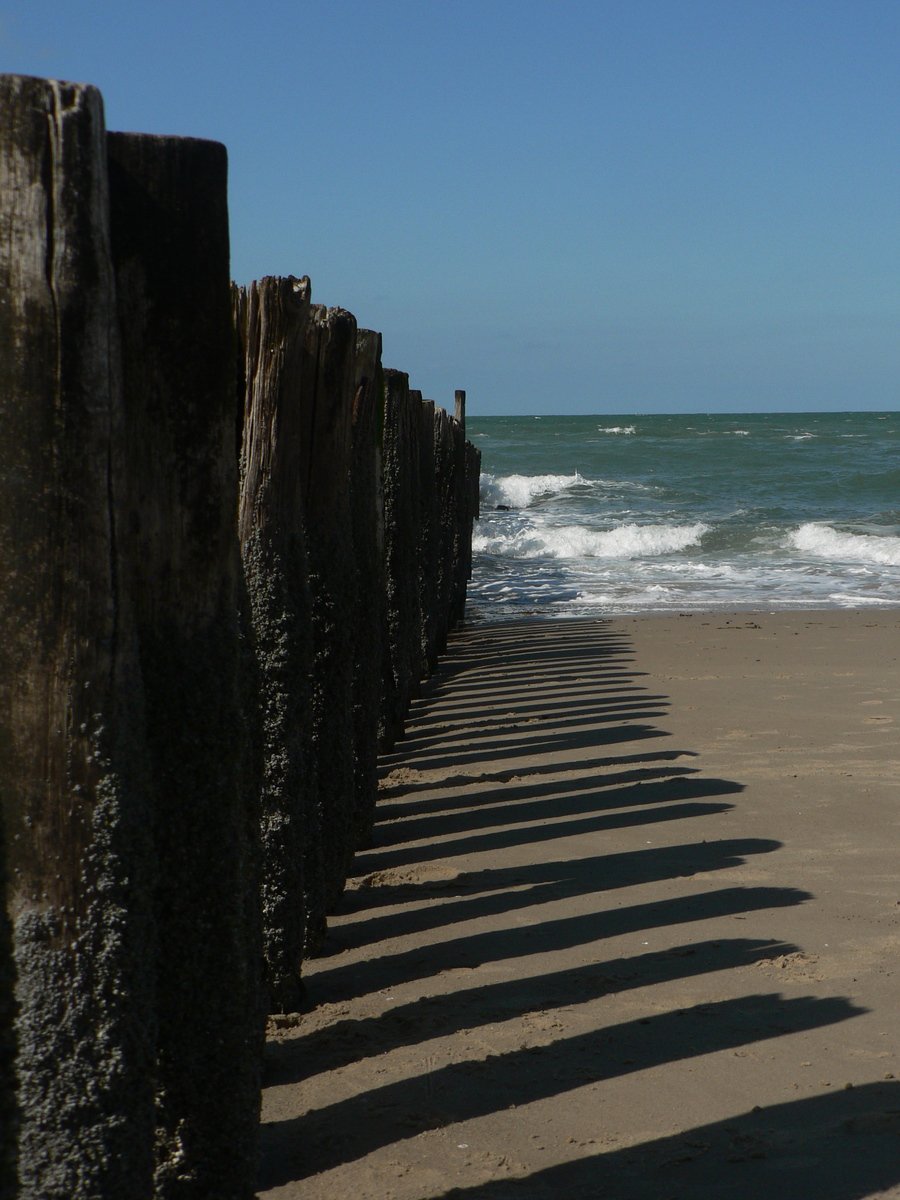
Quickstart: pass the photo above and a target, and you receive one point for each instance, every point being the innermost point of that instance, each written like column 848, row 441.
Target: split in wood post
column 271, row 319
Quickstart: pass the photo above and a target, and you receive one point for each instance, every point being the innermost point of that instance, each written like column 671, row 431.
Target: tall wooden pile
column 232, row 544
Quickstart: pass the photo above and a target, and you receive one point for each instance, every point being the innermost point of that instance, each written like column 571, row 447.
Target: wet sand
column 630, row 928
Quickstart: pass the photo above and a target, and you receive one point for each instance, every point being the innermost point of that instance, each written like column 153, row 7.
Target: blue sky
column 618, row 206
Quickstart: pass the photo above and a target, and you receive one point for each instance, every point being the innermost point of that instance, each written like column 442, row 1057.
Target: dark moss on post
column 403, row 666
column 368, row 553
column 429, row 537
column 417, row 456
column 9, row 1116
column 443, row 499
column 72, row 784
column 271, row 319
column 170, row 249
column 326, row 395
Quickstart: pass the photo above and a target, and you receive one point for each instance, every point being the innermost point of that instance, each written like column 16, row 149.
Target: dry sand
column 630, row 927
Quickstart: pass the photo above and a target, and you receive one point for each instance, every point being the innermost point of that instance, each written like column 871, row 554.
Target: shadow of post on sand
column 513, row 747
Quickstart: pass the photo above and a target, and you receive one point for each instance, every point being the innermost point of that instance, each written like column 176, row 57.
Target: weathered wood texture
column 403, row 667
column 429, row 537
column 459, row 408
column 71, row 749
column 170, row 249
column 326, row 395
column 271, row 318
column 418, row 459
column 368, row 553
column 443, row 488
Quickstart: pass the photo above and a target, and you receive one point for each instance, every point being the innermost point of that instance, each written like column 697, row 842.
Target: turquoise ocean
column 629, row 514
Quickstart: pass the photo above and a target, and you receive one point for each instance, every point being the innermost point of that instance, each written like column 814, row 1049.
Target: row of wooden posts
column 231, row 545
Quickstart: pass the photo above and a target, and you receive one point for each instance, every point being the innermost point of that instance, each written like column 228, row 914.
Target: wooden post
column 72, row 781
column 368, row 554
column 272, row 318
column 182, row 559
column 401, row 537
column 458, row 503
column 326, row 395
column 460, row 409
column 429, row 536
column 443, row 486
column 415, row 633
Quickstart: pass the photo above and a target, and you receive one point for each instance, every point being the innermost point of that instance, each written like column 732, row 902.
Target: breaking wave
column 825, row 542
column 522, row 491
column 577, row 541
column 518, row 491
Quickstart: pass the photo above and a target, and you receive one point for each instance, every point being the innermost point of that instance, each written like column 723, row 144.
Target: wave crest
column 519, row 491
column 577, row 541
column 825, row 542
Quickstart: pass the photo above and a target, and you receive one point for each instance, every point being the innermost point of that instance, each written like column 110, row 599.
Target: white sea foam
column 518, row 491
column 823, row 541
column 521, row 491
column 576, row 541
column 626, row 429
column 855, row 600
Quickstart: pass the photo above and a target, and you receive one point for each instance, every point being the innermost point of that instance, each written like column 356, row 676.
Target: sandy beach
column 629, row 929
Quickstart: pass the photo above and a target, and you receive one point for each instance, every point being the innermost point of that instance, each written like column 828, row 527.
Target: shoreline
column 629, row 925
column 476, row 622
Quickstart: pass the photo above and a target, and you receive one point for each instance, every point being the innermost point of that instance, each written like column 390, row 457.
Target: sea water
column 640, row 514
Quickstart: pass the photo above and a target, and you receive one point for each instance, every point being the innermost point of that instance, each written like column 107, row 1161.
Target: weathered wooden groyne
column 231, row 544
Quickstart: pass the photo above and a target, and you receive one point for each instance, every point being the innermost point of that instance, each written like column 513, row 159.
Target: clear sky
column 562, row 206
